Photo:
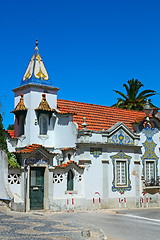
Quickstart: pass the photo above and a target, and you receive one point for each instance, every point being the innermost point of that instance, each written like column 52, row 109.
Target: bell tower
column 35, row 101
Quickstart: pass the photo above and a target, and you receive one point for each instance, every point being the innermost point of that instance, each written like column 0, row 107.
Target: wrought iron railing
column 152, row 182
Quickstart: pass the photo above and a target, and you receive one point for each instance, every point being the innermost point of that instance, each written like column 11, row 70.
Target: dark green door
column 36, row 188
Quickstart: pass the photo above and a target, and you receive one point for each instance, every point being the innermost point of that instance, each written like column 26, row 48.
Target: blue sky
column 89, row 47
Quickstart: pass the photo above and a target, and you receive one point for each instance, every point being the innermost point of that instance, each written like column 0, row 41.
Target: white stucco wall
column 97, row 178
column 5, row 192
column 62, row 132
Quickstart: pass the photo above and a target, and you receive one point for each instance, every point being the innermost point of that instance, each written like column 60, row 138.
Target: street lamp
column 147, row 108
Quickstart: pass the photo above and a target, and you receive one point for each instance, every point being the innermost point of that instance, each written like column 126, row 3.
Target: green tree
column 3, row 144
column 12, row 161
column 10, row 127
column 133, row 99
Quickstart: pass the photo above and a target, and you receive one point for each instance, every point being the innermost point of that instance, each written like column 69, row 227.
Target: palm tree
column 133, row 100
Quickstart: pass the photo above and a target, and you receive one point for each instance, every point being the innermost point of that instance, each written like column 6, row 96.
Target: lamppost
column 147, row 109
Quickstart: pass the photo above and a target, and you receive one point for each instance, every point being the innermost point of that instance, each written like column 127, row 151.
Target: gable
column 38, row 157
column 120, row 134
column 121, row 137
column 35, row 154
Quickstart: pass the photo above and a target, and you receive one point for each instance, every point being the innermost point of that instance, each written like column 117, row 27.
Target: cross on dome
column 36, row 71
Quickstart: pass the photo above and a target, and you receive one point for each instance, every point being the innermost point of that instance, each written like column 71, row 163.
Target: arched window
column 70, row 182
column 43, row 125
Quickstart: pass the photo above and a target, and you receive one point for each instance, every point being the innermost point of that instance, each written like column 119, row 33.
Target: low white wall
column 5, row 193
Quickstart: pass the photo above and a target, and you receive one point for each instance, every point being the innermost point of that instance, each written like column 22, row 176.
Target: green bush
column 12, row 161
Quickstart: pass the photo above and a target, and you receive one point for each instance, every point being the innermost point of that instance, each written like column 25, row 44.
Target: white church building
column 76, row 155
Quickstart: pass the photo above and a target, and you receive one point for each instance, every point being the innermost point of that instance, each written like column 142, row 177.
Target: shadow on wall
column 64, row 121
column 52, row 123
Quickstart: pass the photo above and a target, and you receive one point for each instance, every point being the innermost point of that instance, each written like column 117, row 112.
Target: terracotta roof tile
column 32, row 148
column 29, row 148
column 44, row 104
column 99, row 117
column 20, row 106
column 11, row 133
column 68, row 148
column 64, row 165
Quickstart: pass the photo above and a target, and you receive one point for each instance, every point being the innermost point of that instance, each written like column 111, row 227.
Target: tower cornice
column 33, row 85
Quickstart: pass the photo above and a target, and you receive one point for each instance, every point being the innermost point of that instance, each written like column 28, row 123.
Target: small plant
column 12, row 161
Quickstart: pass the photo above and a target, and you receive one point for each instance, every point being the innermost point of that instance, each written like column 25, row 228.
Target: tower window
column 21, row 121
column 43, row 125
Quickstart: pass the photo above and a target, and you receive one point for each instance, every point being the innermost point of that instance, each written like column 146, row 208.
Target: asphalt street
column 139, row 224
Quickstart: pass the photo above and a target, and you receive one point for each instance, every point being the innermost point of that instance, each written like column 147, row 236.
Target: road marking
column 143, row 218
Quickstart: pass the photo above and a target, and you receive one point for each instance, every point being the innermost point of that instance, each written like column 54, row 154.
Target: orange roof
column 29, row 148
column 11, row 133
column 32, row 148
column 99, row 117
column 68, row 148
column 64, row 165
column 20, row 106
column 44, row 104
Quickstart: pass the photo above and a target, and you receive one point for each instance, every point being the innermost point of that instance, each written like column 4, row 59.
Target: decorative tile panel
column 149, row 153
column 37, row 158
column 121, row 137
column 96, row 152
column 149, row 132
column 149, row 146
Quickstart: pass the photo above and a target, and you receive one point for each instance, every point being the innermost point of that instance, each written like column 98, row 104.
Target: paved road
column 44, row 226
column 139, row 224
column 150, row 213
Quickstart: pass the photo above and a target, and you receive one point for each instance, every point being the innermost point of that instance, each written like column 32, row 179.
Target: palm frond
column 146, row 93
column 133, row 99
column 120, row 93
